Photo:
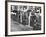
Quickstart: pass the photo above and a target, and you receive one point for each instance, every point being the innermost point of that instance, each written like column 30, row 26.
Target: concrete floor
column 15, row 26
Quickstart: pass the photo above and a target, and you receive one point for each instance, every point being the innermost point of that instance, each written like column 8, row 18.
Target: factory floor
column 15, row 26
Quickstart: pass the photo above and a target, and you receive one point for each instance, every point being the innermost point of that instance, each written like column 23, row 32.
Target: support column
column 21, row 17
column 29, row 20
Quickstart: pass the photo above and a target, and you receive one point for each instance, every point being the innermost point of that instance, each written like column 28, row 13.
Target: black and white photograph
column 25, row 18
